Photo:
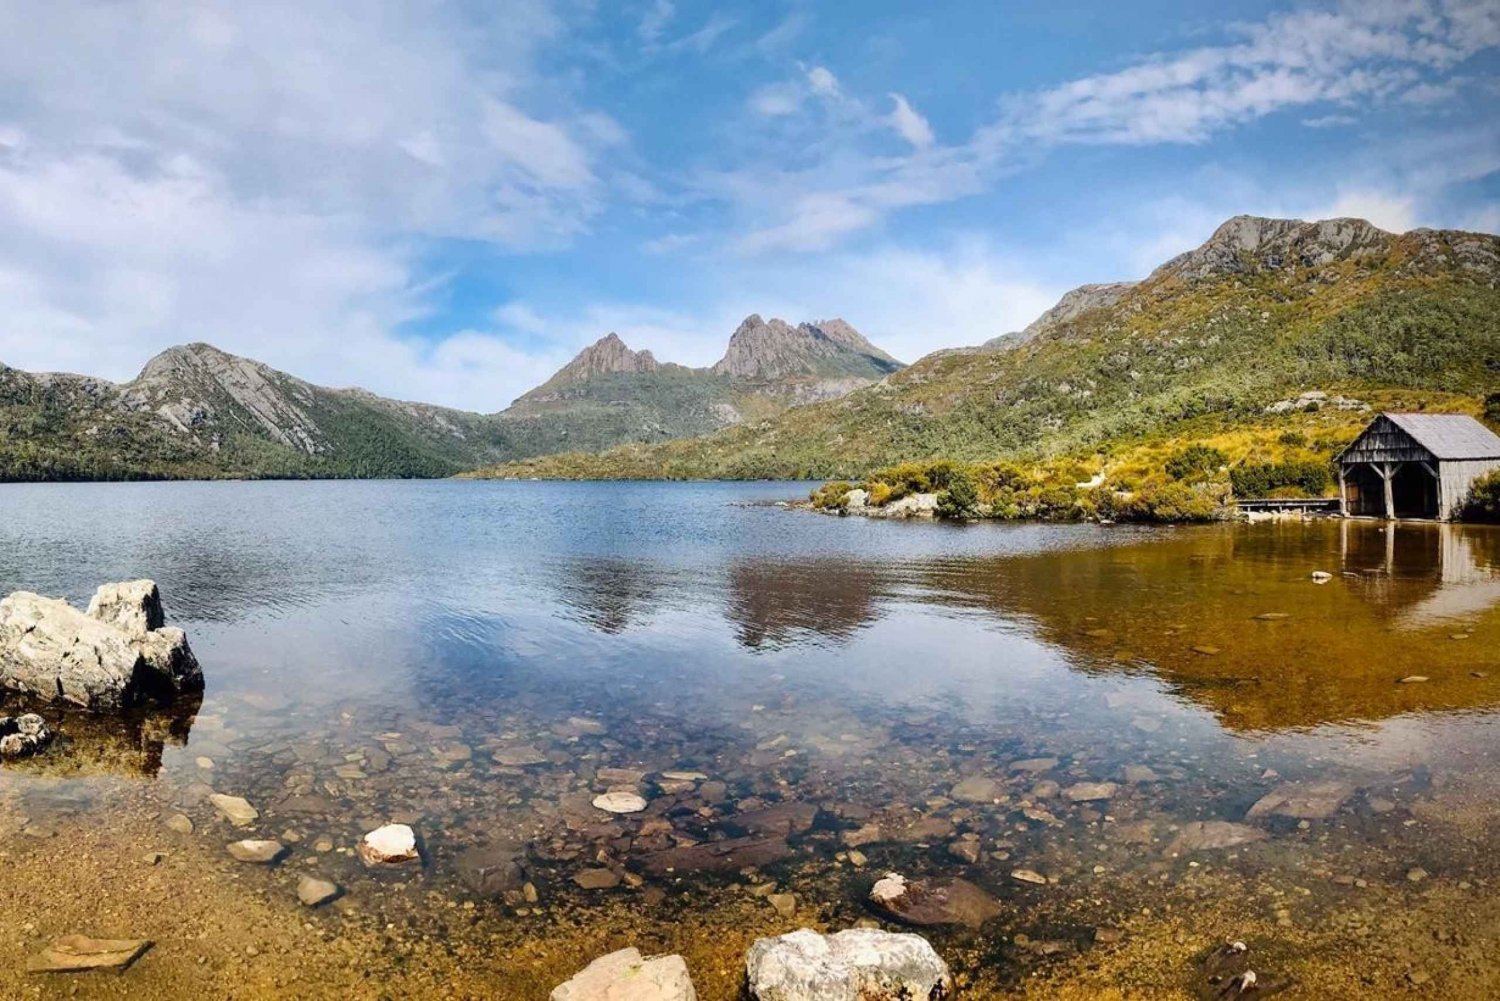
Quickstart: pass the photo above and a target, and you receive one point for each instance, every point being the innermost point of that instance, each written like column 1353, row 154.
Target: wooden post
column 1388, row 473
column 1343, row 494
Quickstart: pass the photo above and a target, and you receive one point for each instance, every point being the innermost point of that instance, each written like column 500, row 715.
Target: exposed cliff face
column 774, row 349
column 1250, row 243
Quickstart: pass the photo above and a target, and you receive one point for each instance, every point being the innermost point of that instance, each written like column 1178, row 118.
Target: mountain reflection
column 1231, row 617
column 777, row 602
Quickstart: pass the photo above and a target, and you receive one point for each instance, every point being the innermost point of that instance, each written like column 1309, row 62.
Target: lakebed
column 837, row 698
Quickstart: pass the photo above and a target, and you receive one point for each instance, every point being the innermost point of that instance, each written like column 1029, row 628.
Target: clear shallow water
column 466, row 656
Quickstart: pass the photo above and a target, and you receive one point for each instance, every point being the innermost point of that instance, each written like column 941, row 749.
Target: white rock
column 627, row 976
column 235, row 809
column 393, row 844
column 620, row 801
column 861, row 964
column 115, row 656
column 258, row 852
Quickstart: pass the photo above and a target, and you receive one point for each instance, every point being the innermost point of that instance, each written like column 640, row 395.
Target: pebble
column 180, row 823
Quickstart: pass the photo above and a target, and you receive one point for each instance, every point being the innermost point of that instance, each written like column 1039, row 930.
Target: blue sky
column 445, row 201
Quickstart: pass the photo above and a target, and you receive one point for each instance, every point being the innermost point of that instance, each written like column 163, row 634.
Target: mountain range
column 1217, row 337
column 1263, row 311
column 197, row 411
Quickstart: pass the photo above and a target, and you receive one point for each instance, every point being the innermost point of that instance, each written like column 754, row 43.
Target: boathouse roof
column 1444, row 436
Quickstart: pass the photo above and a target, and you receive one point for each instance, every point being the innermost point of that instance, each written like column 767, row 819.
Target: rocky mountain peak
column 607, row 354
column 1248, row 243
column 774, row 349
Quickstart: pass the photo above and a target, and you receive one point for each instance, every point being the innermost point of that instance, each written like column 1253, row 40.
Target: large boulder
column 628, row 976
column 861, row 964
column 115, row 655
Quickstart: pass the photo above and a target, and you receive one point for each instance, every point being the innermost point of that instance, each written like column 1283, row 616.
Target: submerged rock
column 116, row 654
column 492, row 869
column 24, row 735
column 628, row 976
column 620, row 801
column 1209, row 835
column 257, row 852
column 933, row 902
column 314, row 892
column 235, row 809
column 861, row 964
column 1302, row 800
column 730, row 855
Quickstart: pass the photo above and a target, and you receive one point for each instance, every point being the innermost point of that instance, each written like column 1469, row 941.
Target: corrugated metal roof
column 1450, row 436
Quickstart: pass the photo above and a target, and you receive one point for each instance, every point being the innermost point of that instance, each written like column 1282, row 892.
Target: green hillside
column 1264, row 311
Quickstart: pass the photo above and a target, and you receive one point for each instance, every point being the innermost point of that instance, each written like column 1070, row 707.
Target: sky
column 444, row 201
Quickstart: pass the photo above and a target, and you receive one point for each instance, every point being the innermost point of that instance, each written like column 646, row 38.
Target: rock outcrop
column 861, row 964
column 628, row 976
column 117, row 654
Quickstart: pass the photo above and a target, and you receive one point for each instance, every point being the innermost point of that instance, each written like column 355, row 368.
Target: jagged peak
column 770, row 349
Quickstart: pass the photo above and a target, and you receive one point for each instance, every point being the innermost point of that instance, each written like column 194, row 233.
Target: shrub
column 1293, row 439
column 1483, row 503
column 1309, row 477
column 1492, row 408
column 1195, row 463
column 832, row 496
column 880, row 493
column 961, row 498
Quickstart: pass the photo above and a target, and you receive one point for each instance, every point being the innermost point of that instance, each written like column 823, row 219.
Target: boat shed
column 1415, row 465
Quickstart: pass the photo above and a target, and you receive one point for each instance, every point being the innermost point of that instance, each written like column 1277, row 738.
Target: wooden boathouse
column 1415, row 466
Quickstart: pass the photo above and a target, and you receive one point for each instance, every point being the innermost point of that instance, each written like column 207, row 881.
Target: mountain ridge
column 196, row 410
column 1262, row 309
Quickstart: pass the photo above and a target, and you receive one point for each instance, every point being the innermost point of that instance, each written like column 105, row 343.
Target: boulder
column 861, row 964
column 628, row 976
column 22, row 736
column 926, row 902
column 115, row 655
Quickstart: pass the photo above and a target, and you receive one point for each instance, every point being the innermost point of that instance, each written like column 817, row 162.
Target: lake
column 1142, row 742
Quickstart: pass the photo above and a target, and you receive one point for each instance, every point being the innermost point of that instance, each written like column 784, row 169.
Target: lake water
column 466, row 657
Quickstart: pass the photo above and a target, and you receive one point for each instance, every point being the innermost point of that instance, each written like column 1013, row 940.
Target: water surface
column 465, row 657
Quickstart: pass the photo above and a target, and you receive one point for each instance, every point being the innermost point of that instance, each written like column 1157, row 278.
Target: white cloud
column 1331, row 64
column 823, row 82
column 909, row 302
column 910, row 124
column 1393, row 213
column 261, row 176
